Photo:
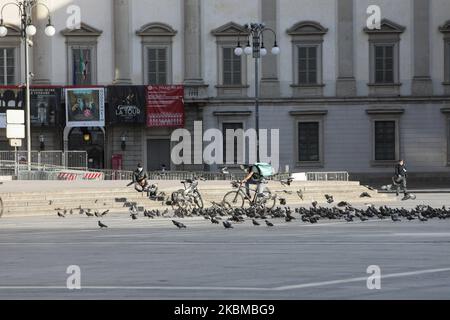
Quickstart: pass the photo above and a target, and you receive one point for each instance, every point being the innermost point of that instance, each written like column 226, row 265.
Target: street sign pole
column 16, row 165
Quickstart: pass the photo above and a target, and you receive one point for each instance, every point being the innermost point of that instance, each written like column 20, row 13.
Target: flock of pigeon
column 220, row 213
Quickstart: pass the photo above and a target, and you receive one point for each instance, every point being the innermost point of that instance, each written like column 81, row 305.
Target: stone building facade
column 344, row 97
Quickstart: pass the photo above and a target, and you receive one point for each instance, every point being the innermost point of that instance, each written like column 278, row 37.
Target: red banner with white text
column 165, row 106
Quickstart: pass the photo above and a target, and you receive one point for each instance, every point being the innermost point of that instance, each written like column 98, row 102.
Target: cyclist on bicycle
column 253, row 177
column 140, row 178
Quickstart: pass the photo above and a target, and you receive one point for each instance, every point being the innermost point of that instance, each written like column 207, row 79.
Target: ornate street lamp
column 27, row 30
column 255, row 46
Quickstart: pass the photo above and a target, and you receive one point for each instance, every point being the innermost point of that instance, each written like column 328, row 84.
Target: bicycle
column 237, row 198
column 188, row 197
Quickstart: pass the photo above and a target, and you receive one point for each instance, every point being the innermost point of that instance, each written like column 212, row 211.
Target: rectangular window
column 308, row 141
column 7, row 66
column 384, row 64
column 232, row 68
column 230, row 126
column 307, row 65
column 157, row 65
column 82, row 66
column 385, row 140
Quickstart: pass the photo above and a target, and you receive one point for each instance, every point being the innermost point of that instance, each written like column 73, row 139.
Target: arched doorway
column 91, row 140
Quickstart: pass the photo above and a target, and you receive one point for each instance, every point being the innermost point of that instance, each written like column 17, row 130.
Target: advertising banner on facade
column 126, row 104
column 85, row 107
column 45, row 105
column 11, row 97
column 165, row 106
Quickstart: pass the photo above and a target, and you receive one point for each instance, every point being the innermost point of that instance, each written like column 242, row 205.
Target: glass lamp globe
column 263, row 51
column 275, row 50
column 248, row 50
column 238, row 51
column 50, row 30
column 3, row 31
column 30, row 30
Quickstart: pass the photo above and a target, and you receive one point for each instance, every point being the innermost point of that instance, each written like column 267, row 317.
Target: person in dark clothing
column 400, row 178
column 253, row 177
column 140, row 178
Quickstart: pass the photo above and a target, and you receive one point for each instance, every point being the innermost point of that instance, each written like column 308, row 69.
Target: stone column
column 270, row 84
column 42, row 48
column 422, row 84
column 192, row 42
column 345, row 83
column 122, row 41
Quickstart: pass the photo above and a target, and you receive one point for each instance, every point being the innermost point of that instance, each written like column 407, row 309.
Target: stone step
column 215, row 196
column 147, row 203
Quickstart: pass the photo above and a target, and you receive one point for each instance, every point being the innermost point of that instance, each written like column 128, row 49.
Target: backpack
column 265, row 169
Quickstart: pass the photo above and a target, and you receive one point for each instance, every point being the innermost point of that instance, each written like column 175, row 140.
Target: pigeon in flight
column 104, row 213
column 224, row 170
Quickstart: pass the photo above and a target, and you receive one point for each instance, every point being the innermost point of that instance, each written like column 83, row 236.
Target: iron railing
column 66, row 159
column 327, row 176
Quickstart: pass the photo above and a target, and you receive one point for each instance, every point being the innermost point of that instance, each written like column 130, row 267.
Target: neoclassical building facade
column 345, row 97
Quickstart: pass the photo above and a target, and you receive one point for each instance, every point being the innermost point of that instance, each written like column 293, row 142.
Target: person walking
column 400, row 178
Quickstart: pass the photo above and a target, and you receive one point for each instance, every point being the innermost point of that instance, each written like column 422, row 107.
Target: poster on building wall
column 45, row 105
column 165, row 106
column 11, row 97
column 85, row 107
column 126, row 104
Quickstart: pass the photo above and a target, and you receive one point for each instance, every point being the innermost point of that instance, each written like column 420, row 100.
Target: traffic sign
column 15, row 131
column 15, row 143
column 15, row 116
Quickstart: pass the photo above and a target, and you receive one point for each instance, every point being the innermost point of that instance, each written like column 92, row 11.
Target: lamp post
column 255, row 46
column 27, row 30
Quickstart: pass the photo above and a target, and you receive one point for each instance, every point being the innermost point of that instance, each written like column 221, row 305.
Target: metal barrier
column 179, row 175
column 66, row 159
column 43, row 171
column 7, row 168
column 327, row 176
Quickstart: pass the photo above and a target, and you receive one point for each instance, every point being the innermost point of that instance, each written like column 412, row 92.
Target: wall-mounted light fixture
column 42, row 142
column 123, row 142
column 86, row 137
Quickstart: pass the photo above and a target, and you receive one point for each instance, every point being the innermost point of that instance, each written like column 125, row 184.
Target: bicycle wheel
column 267, row 200
column 198, row 200
column 179, row 200
column 234, row 199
